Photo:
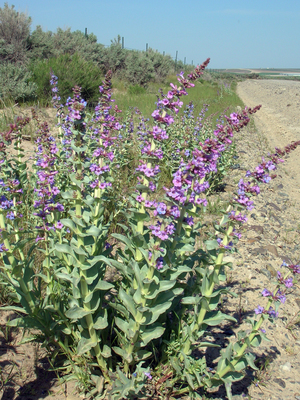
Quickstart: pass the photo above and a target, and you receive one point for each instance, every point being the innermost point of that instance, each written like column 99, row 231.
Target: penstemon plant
column 69, row 218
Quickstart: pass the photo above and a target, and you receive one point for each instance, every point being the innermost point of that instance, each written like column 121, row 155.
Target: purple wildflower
column 148, row 375
column 259, row 310
column 159, row 263
column 2, row 248
column 59, row 225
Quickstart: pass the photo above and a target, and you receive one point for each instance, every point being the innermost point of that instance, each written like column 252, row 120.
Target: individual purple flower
column 237, row 217
column 201, row 201
column 266, row 293
column 152, row 186
column 259, row 310
column 170, row 229
column 140, row 198
column 59, row 225
column 228, row 246
column 295, row 269
column 2, row 248
column 189, row 221
column 288, row 282
column 55, row 190
column 272, row 313
column 59, row 207
column 10, row 215
column 159, row 263
column 148, row 375
column 280, row 296
column 174, row 211
column 94, row 184
column 161, row 208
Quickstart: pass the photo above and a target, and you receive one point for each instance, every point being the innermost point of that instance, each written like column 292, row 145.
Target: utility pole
column 176, row 60
column 122, row 42
column 146, row 47
column 85, row 34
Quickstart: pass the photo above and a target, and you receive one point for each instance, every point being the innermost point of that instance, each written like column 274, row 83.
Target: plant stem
column 85, row 290
column 14, row 264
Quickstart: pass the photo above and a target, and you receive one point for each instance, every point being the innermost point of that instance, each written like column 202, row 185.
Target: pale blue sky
column 233, row 33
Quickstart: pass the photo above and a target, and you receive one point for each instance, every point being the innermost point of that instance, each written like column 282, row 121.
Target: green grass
column 204, row 92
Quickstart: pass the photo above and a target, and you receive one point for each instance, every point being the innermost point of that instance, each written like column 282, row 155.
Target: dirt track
column 278, row 120
column 272, row 234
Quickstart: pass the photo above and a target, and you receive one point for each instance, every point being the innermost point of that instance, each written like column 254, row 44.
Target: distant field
column 263, row 71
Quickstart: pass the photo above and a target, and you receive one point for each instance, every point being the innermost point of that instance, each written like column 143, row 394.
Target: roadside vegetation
column 112, row 251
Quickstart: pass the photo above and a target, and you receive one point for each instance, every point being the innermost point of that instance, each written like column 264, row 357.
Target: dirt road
column 272, row 235
column 278, row 120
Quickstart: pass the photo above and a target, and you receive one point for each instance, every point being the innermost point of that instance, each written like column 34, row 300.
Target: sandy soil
column 278, row 119
column 272, row 235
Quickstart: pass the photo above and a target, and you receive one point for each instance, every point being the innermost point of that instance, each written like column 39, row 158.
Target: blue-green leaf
column 76, row 313
column 151, row 333
column 85, row 345
column 218, row 319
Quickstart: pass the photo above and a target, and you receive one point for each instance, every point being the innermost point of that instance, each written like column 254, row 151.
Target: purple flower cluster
column 56, row 98
column 278, row 296
column 5, row 204
column 147, row 170
column 105, row 133
column 161, row 231
column 288, row 283
column 271, row 312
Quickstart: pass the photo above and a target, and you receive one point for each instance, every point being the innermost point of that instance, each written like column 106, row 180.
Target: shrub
column 15, row 83
column 139, row 69
column 72, row 71
column 162, row 64
column 14, row 33
column 41, row 45
column 114, row 57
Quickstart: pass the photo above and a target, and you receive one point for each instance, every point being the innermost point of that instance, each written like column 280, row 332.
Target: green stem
column 13, row 263
column 218, row 264
column 85, row 291
column 256, row 327
column 177, row 233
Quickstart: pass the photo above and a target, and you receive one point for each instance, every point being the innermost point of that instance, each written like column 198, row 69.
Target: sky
column 234, row 34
